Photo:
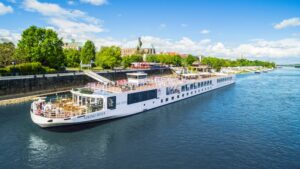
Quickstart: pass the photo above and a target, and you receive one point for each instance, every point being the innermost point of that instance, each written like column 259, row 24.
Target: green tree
column 41, row 45
column 176, row 60
column 152, row 58
column 7, row 50
column 109, row 57
column 72, row 57
column 88, row 52
column 127, row 60
column 189, row 60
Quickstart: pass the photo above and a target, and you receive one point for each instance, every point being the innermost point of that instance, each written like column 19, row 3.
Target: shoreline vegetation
column 41, row 51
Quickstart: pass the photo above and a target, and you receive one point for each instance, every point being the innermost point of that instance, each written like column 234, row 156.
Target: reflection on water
column 252, row 124
column 39, row 150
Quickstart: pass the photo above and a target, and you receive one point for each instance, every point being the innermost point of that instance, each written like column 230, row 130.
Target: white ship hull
column 124, row 109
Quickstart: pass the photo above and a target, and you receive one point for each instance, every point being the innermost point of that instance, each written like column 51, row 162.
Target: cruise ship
column 138, row 93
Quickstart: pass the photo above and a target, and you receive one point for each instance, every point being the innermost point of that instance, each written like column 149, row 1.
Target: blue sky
column 266, row 30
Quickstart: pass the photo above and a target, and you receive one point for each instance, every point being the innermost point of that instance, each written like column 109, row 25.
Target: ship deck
column 61, row 108
column 123, row 86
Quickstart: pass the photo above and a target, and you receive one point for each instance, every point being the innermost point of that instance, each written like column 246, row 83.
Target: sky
column 254, row 29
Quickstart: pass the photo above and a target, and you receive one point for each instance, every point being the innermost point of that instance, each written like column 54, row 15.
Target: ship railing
column 125, row 86
column 60, row 110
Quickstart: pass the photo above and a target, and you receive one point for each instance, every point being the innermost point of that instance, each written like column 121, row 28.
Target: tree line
column 217, row 63
column 40, row 50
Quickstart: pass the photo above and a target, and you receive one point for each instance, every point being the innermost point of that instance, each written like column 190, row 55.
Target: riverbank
column 15, row 99
column 245, row 69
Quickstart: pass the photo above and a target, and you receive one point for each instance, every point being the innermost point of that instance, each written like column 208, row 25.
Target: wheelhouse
column 139, row 78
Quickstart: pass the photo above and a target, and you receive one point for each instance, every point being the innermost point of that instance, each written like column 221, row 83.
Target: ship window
column 191, row 86
column 172, row 90
column 79, row 99
column 111, row 102
column 177, row 96
column 182, row 95
column 183, row 88
column 98, row 105
column 167, row 99
column 83, row 101
column 173, row 98
column 141, row 96
column 162, row 100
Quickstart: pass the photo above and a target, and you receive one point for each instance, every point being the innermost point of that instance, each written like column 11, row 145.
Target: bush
column 49, row 70
column 27, row 68
column 3, row 71
column 86, row 91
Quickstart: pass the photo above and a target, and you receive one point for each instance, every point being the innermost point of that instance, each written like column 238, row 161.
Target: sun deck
column 122, row 86
column 65, row 108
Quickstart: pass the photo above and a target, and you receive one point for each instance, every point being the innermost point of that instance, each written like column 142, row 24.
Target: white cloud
column 289, row 47
column 5, row 9
column 46, row 9
column 205, row 31
column 288, row 23
column 69, row 26
column 95, row 2
column 9, row 36
column 65, row 21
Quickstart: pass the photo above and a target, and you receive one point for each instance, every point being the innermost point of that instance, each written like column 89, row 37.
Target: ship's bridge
column 138, row 78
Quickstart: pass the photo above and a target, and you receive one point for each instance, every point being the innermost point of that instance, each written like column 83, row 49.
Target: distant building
column 145, row 65
column 138, row 50
column 175, row 53
column 72, row 45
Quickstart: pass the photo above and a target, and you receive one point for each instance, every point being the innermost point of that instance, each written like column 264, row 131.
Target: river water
column 254, row 123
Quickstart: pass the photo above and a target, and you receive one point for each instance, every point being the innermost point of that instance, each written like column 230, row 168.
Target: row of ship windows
column 151, row 93
column 196, row 85
column 224, row 79
column 187, row 87
column 178, row 96
column 148, row 95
